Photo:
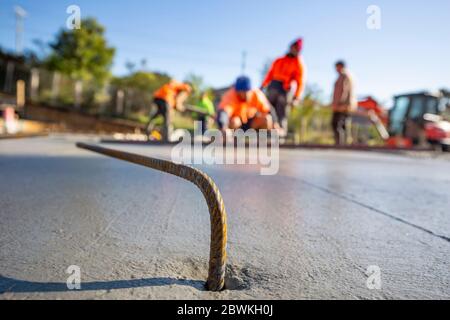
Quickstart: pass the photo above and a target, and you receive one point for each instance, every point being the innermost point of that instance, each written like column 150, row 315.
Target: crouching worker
column 245, row 108
column 170, row 96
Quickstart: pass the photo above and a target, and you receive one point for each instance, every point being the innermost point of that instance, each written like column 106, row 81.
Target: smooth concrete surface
column 309, row 232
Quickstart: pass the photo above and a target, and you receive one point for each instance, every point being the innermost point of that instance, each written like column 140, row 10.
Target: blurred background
column 101, row 78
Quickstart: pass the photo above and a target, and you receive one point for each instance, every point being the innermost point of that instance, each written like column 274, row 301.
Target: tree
column 139, row 87
column 82, row 54
column 309, row 121
column 198, row 86
column 144, row 81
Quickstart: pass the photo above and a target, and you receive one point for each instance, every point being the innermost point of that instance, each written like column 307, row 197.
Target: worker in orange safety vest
column 170, row 96
column 245, row 108
column 282, row 74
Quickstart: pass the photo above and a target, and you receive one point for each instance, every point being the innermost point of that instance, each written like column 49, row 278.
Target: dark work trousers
column 162, row 109
column 277, row 96
column 339, row 124
column 204, row 120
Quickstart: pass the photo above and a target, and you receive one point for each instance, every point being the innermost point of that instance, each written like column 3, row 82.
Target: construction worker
column 170, row 96
column 245, row 108
column 344, row 102
column 283, row 72
column 205, row 105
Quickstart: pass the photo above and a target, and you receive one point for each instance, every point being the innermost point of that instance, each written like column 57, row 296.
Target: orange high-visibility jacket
column 245, row 110
column 169, row 91
column 287, row 69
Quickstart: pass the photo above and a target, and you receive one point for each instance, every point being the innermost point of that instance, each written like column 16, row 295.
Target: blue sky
column 411, row 51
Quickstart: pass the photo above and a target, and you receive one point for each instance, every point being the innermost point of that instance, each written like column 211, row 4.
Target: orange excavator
column 416, row 119
column 369, row 113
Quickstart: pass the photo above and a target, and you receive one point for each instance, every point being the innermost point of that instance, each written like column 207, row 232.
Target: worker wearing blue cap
column 245, row 108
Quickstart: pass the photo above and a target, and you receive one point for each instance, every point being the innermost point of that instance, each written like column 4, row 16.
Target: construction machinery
column 419, row 119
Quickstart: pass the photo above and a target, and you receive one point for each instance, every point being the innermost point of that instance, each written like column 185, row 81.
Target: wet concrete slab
column 309, row 232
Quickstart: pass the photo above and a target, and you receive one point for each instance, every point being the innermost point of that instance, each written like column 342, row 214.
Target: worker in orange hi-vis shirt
column 278, row 81
column 170, row 96
column 245, row 108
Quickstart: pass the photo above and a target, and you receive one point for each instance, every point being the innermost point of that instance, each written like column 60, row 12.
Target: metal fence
column 60, row 91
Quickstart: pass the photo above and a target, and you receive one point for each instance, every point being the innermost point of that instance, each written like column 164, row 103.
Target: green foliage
column 139, row 88
column 82, row 54
column 142, row 81
column 310, row 121
column 199, row 87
